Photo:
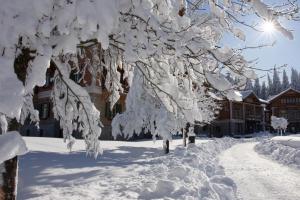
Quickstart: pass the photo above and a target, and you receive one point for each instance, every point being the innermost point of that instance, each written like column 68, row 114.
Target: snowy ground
column 283, row 149
column 126, row 170
column 257, row 177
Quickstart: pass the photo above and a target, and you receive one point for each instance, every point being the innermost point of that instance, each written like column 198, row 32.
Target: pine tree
column 257, row 87
column 248, row 85
column 298, row 81
column 270, row 87
column 263, row 93
column 276, row 83
column 294, row 79
column 285, row 81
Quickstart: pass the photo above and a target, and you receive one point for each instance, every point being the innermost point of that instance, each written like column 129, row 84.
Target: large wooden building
column 239, row 118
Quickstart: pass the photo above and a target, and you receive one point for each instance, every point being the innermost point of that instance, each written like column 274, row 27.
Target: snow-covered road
column 258, row 178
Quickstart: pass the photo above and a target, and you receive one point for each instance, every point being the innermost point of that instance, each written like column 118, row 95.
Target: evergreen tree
column 263, row 92
column 285, row 81
column 276, row 83
column 248, row 85
column 294, row 79
column 298, row 81
column 270, row 87
column 257, row 87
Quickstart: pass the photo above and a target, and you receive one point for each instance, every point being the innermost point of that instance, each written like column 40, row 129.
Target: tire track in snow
column 258, row 178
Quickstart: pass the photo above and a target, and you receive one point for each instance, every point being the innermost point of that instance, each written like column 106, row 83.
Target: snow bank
column 11, row 145
column 284, row 149
column 291, row 141
column 126, row 170
column 191, row 174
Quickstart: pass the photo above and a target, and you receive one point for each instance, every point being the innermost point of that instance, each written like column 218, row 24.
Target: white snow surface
column 257, row 177
column 283, row 149
column 11, row 145
column 126, row 170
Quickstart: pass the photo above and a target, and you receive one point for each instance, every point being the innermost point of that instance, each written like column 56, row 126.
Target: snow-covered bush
column 279, row 123
column 173, row 46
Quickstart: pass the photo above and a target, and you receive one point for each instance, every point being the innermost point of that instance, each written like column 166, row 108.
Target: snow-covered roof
column 11, row 145
column 263, row 101
column 247, row 93
column 281, row 93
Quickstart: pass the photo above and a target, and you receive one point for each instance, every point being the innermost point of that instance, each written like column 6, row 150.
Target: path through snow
column 258, row 178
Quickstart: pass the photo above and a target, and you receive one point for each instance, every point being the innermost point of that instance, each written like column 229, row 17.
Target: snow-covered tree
column 285, row 81
column 270, row 87
column 294, row 78
column 279, row 123
column 263, row 92
column 257, row 87
column 249, row 85
column 276, row 83
column 171, row 48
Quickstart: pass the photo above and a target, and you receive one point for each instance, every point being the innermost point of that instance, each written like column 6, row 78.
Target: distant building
column 48, row 126
column 239, row 118
column 286, row 104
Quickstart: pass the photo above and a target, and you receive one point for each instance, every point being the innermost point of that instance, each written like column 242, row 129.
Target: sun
column 268, row 27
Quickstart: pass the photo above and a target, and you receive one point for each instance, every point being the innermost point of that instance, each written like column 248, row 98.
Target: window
column 44, row 111
column 109, row 114
column 283, row 113
column 290, row 100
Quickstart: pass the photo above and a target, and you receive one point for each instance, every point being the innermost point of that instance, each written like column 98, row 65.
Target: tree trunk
column 9, row 188
column 166, row 146
column 2, row 196
column 9, row 179
column 184, row 137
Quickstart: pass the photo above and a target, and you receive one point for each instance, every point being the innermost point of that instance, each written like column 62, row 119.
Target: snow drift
column 126, row 170
column 191, row 174
column 11, row 145
column 284, row 149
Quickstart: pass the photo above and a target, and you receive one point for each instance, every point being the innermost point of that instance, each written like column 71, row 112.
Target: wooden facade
column 239, row 119
column 287, row 105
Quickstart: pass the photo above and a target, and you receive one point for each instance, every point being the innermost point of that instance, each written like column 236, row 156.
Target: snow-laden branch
column 175, row 45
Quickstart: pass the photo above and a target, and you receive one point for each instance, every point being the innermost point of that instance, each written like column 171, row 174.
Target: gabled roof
column 281, row 93
column 247, row 93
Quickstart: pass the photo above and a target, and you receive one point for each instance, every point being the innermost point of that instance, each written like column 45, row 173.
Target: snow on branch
column 171, row 49
column 75, row 111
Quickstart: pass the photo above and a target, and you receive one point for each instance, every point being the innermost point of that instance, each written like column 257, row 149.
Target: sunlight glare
column 268, row 27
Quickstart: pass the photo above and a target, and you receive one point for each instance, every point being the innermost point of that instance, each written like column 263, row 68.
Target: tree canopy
column 170, row 53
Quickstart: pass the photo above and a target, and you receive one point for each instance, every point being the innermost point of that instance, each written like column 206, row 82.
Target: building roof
column 247, row 93
column 281, row 93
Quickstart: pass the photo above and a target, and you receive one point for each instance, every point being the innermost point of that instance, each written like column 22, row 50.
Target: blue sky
column 285, row 51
